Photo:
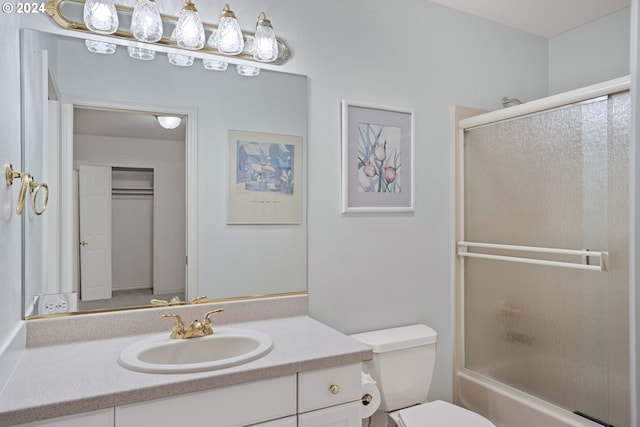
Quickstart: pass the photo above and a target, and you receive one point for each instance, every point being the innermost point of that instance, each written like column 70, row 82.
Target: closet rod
column 132, row 191
column 463, row 251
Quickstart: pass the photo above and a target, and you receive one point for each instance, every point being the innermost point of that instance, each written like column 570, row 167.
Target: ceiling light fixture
column 169, row 122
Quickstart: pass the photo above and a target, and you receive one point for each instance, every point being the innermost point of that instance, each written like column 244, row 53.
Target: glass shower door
column 551, row 324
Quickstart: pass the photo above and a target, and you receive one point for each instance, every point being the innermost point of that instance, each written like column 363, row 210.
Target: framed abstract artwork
column 264, row 178
column 377, row 158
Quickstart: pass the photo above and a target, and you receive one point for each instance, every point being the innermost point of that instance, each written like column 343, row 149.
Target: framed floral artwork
column 377, row 158
column 264, row 178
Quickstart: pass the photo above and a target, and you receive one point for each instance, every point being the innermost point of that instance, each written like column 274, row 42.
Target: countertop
column 57, row 380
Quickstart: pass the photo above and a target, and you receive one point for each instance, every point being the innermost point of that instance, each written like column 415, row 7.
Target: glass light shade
column 189, row 29
column 169, row 122
column 100, row 16
column 100, row 47
column 212, row 64
column 146, row 24
column 141, row 53
column 229, row 39
column 265, row 46
column 247, row 70
column 180, row 60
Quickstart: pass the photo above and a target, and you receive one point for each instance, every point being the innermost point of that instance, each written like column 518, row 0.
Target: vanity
column 310, row 377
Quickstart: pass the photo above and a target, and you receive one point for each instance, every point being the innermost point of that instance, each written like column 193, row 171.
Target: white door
column 95, row 232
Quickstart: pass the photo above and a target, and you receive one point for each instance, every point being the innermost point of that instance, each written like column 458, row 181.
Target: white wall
column 167, row 160
column 12, row 338
column 590, row 54
column 375, row 271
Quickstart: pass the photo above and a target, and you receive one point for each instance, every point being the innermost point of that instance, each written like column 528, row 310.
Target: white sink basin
column 226, row 347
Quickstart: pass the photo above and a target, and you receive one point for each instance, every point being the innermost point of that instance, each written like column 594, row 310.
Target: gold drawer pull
column 334, row 388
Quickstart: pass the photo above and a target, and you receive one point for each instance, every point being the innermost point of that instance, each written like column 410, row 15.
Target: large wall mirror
column 138, row 212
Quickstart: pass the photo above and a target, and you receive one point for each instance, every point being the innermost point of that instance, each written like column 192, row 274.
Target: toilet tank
column 402, row 364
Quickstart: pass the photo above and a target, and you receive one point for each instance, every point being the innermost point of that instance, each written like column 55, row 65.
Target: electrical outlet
column 52, row 304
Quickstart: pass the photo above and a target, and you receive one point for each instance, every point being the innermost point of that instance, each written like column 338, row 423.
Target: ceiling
column 123, row 124
column 546, row 18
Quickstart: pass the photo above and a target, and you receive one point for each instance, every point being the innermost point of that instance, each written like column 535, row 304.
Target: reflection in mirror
column 145, row 166
column 95, row 116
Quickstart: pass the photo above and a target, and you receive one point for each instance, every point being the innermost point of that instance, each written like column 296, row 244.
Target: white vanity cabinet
column 325, row 397
column 236, row 405
column 330, row 397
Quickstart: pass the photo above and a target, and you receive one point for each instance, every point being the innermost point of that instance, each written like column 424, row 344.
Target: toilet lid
column 441, row 414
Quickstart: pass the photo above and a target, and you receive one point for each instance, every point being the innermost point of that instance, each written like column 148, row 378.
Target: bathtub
column 508, row 407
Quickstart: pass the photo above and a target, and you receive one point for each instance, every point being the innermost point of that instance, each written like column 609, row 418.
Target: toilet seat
column 441, row 414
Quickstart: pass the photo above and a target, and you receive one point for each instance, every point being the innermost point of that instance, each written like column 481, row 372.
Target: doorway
column 143, row 212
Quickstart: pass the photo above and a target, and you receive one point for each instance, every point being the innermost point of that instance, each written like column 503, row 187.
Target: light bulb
column 146, row 24
column 229, row 39
column 100, row 16
column 265, row 46
column 189, row 29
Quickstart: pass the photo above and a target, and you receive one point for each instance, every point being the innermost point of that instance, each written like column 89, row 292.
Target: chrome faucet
column 196, row 328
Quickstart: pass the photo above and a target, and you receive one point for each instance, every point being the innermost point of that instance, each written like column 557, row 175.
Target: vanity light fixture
column 189, row 29
column 146, row 24
column 100, row 16
column 169, row 122
column 228, row 39
column 265, row 45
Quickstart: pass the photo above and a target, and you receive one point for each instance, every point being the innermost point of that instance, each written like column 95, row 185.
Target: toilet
column 402, row 366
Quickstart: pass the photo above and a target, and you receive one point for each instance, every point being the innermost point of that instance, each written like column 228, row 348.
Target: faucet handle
column 208, row 314
column 206, row 320
column 178, row 327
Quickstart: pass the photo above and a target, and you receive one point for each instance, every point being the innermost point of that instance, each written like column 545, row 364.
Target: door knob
column 83, row 243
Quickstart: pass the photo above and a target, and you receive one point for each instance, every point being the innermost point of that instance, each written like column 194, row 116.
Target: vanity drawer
column 236, row 405
column 328, row 387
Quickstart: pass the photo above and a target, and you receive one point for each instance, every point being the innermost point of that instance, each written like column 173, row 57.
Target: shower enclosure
column 543, row 258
